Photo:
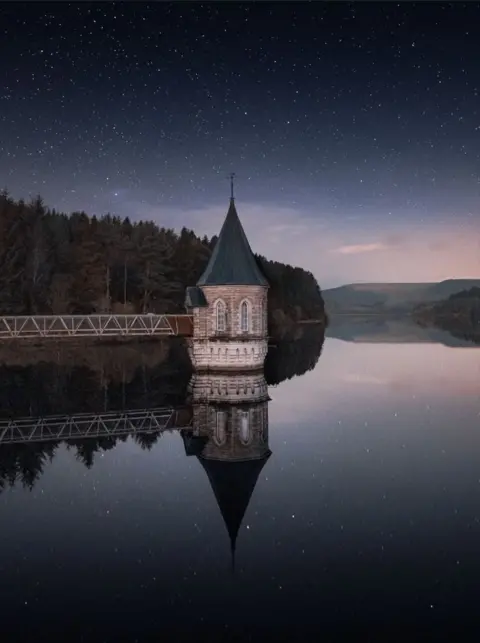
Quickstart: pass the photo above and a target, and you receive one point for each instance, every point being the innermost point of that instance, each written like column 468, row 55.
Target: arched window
column 244, row 427
column 220, row 426
column 244, row 317
column 221, row 316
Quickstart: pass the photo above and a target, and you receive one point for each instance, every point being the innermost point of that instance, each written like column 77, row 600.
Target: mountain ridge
column 385, row 297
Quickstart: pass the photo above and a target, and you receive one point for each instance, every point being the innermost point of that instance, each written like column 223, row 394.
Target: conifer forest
column 54, row 263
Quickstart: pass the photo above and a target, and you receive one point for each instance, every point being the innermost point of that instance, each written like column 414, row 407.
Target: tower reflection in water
column 230, row 438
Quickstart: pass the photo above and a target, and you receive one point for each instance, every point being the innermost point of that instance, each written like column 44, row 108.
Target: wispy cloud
column 363, row 378
column 360, row 248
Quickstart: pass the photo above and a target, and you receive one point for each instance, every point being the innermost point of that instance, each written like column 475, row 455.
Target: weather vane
column 231, row 176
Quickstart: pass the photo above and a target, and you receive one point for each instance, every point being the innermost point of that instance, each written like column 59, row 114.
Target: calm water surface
column 365, row 517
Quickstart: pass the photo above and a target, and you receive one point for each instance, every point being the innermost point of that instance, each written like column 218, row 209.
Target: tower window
column 221, row 317
column 220, row 432
column 244, row 316
column 244, row 427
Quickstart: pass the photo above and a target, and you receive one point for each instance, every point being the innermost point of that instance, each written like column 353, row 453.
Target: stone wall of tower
column 204, row 325
column 231, row 347
column 227, row 354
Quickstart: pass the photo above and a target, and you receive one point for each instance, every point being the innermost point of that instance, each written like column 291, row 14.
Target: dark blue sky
column 354, row 128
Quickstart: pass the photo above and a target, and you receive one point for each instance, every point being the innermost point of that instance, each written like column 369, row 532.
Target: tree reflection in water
column 48, row 388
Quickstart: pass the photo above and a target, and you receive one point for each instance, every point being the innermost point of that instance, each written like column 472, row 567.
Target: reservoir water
column 363, row 518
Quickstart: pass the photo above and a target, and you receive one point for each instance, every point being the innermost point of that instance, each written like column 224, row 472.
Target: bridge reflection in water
column 224, row 423
column 88, row 425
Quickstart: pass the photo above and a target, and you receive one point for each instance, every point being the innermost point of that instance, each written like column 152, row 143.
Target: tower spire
column 232, row 261
column 231, row 176
column 232, row 555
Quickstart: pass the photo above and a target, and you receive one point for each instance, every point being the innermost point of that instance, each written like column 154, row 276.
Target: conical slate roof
column 233, row 484
column 232, row 262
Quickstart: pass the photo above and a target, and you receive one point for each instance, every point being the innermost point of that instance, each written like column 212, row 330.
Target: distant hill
column 390, row 298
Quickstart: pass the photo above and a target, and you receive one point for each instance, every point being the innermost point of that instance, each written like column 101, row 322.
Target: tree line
column 459, row 314
column 54, row 263
column 462, row 306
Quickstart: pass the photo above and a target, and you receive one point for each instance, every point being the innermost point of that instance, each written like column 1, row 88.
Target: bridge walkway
column 74, row 326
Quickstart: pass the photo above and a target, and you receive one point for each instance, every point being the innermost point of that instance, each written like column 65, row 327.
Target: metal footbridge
column 76, row 326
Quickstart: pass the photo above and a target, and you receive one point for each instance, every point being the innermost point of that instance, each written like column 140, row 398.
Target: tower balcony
column 236, row 354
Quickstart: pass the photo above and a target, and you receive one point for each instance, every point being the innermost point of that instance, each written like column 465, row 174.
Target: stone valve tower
column 229, row 305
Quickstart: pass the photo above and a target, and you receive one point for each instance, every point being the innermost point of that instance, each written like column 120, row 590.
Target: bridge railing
column 58, row 326
column 87, row 425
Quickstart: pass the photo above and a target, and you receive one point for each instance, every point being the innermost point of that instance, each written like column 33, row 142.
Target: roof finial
column 231, row 176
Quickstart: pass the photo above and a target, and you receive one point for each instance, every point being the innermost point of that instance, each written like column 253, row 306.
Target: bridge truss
column 85, row 425
column 68, row 326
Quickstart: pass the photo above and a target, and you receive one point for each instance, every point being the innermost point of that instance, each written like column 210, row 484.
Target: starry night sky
column 353, row 128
